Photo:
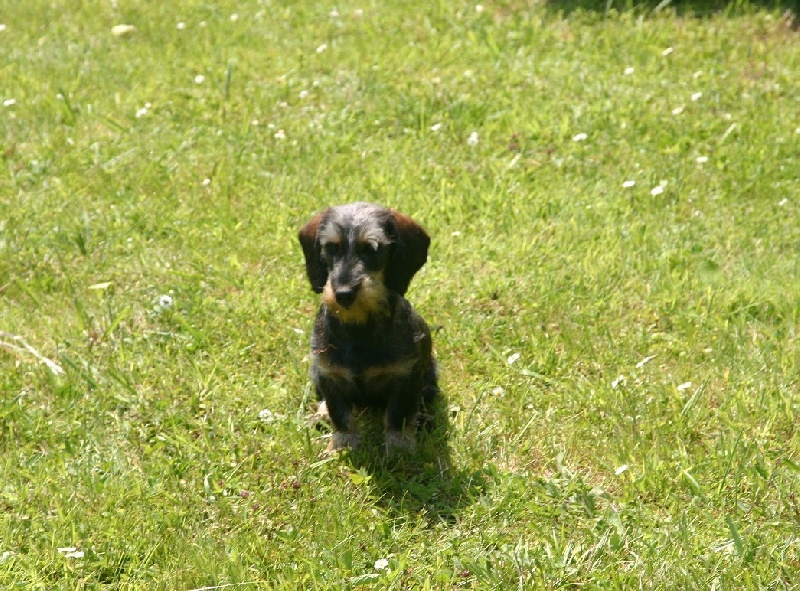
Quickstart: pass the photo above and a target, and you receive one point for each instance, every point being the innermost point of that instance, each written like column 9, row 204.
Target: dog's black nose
column 345, row 296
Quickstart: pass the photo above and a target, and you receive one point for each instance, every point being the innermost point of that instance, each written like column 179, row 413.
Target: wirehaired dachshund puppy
column 369, row 348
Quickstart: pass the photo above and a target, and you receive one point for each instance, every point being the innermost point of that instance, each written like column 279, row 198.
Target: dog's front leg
column 340, row 412
column 401, row 415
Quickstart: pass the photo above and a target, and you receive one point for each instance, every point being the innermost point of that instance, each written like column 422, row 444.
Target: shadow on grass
column 423, row 481
column 698, row 8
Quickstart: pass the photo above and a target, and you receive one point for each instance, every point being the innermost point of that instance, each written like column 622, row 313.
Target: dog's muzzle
column 346, row 295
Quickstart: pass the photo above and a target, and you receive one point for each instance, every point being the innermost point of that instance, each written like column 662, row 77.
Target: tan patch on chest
column 389, row 371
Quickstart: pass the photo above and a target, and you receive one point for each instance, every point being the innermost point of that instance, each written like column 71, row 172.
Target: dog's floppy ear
column 316, row 269
column 409, row 253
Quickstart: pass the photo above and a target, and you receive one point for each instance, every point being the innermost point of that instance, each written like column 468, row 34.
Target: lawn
column 613, row 198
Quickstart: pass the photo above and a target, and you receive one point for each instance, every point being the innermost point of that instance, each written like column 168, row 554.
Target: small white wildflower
column 644, row 361
column 165, row 301
column 677, row 110
column 620, row 379
column 199, row 79
column 657, row 191
column 628, row 184
column 783, row 202
column 436, row 127
column 684, row 386
column 280, row 135
column 202, row 24
column 628, row 71
column 74, row 554
column 141, row 112
column 621, row 469
column 797, row 130
column 2, row 27
column 358, row 13
column 666, row 52
column 479, row 8
column 381, row 564
column 7, row 553
column 473, row 139
column 512, row 359
column 701, row 159
column 579, row 137
column 234, row 17
column 696, row 96
column 697, row 74
column 206, row 182
column 467, row 73
column 266, row 416
column 322, row 48
column 334, row 13
column 303, row 94
column 9, row 102
column 499, row 391
column 456, row 233
column 181, row 26
column 254, row 122
column 120, row 30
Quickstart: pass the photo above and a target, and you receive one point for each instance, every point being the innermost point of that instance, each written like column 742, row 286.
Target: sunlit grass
column 613, row 281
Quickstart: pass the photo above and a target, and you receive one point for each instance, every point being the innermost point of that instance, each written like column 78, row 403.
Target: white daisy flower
column 381, row 564
column 120, row 30
column 199, row 79
column 579, row 137
column 473, row 139
column 646, row 359
column 628, row 184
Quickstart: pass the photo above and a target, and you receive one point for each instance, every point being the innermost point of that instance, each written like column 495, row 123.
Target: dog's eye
column 368, row 249
column 332, row 249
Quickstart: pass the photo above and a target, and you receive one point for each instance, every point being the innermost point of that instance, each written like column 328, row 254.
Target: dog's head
column 357, row 253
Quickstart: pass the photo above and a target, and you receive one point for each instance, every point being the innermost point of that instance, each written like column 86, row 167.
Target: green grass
column 148, row 454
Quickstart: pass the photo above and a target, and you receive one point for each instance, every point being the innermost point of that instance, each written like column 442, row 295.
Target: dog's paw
column 399, row 441
column 341, row 441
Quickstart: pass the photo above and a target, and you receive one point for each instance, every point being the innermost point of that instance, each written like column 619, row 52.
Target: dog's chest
column 366, row 365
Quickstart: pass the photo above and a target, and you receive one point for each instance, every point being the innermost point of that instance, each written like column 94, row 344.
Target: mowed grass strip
column 613, row 199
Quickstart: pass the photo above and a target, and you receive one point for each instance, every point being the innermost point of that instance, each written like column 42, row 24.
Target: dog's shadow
column 423, row 481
